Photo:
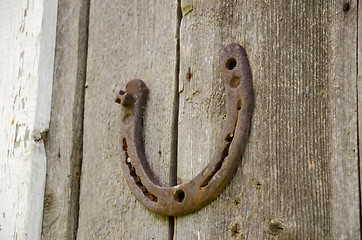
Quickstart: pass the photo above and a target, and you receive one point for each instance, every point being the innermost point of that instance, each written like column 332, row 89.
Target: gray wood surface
column 64, row 139
column 127, row 40
column 299, row 173
column 345, row 196
column 359, row 89
column 298, row 178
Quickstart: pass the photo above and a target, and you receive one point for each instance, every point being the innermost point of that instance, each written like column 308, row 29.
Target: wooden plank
column 299, row 173
column 359, row 89
column 127, row 40
column 345, row 219
column 65, row 136
column 27, row 42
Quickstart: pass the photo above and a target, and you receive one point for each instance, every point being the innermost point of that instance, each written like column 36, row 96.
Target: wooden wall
column 27, row 42
column 299, row 174
column 64, row 148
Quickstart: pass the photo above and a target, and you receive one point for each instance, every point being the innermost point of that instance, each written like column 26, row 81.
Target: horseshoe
column 210, row 182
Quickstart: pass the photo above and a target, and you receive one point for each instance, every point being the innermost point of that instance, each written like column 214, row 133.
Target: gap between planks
column 175, row 118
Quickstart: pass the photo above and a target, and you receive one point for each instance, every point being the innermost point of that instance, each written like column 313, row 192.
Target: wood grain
column 65, row 137
column 298, row 178
column 27, row 43
column 359, row 93
column 127, row 40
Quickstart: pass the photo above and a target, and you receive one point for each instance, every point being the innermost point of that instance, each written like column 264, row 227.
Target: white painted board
column 27, row 41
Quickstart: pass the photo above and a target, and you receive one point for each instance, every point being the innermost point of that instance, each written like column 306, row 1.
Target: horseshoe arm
column 210, row 182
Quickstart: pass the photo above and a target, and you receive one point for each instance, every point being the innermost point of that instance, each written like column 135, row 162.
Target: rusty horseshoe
column 210, row 182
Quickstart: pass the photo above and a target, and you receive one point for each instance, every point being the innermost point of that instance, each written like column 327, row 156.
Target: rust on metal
column 210, row 182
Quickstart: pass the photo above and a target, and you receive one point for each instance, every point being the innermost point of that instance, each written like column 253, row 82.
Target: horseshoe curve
column 210, row 182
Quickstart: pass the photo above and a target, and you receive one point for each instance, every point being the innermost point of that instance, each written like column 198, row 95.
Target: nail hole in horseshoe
column 132, row 172
column 240, row 103
column 229, row 137
column 179, row 196
column 230, row 63
column 235, row 82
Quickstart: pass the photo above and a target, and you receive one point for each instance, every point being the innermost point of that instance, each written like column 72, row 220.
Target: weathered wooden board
column 359, row 89
column 27, row 42
column 299, row 173
column 133, row 39
column 65, row 136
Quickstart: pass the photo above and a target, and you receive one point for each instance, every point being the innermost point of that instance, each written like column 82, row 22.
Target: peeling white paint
column 27, row 43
